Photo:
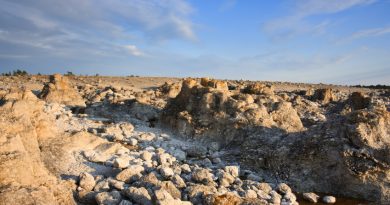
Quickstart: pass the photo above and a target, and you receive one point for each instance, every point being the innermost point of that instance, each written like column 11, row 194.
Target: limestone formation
column 325, row 95
column 239, row 142
column 24, row 128
column 259, row 89
column 59, row 90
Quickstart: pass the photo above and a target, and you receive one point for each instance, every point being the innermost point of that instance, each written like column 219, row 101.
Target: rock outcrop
column 343, row 153
column 58, row 90
column 210, row 111
column 23, row 176
column 324, row 95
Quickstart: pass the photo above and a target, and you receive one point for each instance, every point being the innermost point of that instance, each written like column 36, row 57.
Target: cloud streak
column 370, row 33
column 133, row 50
column 90, row 27
column 296, row 22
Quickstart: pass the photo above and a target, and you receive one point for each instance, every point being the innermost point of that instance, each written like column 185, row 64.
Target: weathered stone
column 133, row 142
column 323, row 95
column 250, row 194
column 197, row 193
column 132, row 173
column 116, row 184
column 259, row 89
column 283, row 188
column 164, row 198
column 102, row 186
column 264, row 187
column 171, row 189
column 166, row 172
column 165, row 159
column 311, row 197
column 358, row 101
column 197, row 151
column 225, row 179
column 87, row 181
column 121, row 162
column 58, row 90
column 139, row 195
column 150, row 180
column 178, row 181
column 147, row 156
column 224, row 199
column 275, row 197
column 233, row 170
column 108, row 198
column 290, row 197
column 329, row 199
column 202, row 176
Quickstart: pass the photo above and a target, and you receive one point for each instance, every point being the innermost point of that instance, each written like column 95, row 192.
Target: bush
column 17, row 72
column 69, row 73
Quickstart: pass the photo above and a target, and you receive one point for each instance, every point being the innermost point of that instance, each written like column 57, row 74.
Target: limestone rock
column 358, row 101
column 311, row 197
column 132, row 173
column 283, row 188
column 329, row 199
column 108, row 198
column 167, row 172
column 233, row 170
column 197, row 193
column 58, row 90
column 223, row 199
column 324, row 95
column 202, row 176
column 259, row 89
column 139, row 195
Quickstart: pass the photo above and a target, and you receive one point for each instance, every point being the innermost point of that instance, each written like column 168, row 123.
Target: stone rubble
column 232, row 143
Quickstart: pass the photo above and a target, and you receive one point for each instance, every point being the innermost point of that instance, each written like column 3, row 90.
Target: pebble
column 133, row 142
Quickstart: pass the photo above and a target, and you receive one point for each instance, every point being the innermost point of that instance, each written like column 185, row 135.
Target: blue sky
column 328, row 41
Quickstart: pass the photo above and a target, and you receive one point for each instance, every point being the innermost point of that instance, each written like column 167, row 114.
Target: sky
column 312, row 41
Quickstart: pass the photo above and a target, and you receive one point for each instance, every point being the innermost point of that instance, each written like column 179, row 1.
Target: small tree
column 19, row 72
column 69, row 73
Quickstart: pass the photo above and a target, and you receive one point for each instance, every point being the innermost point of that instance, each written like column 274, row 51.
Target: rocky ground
column 134, row 140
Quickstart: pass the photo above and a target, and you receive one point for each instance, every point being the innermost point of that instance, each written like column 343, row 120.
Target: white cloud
column 296, row 22
column 90, row 27
column 314, row 7
column 370, row 33
column 133, row 50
